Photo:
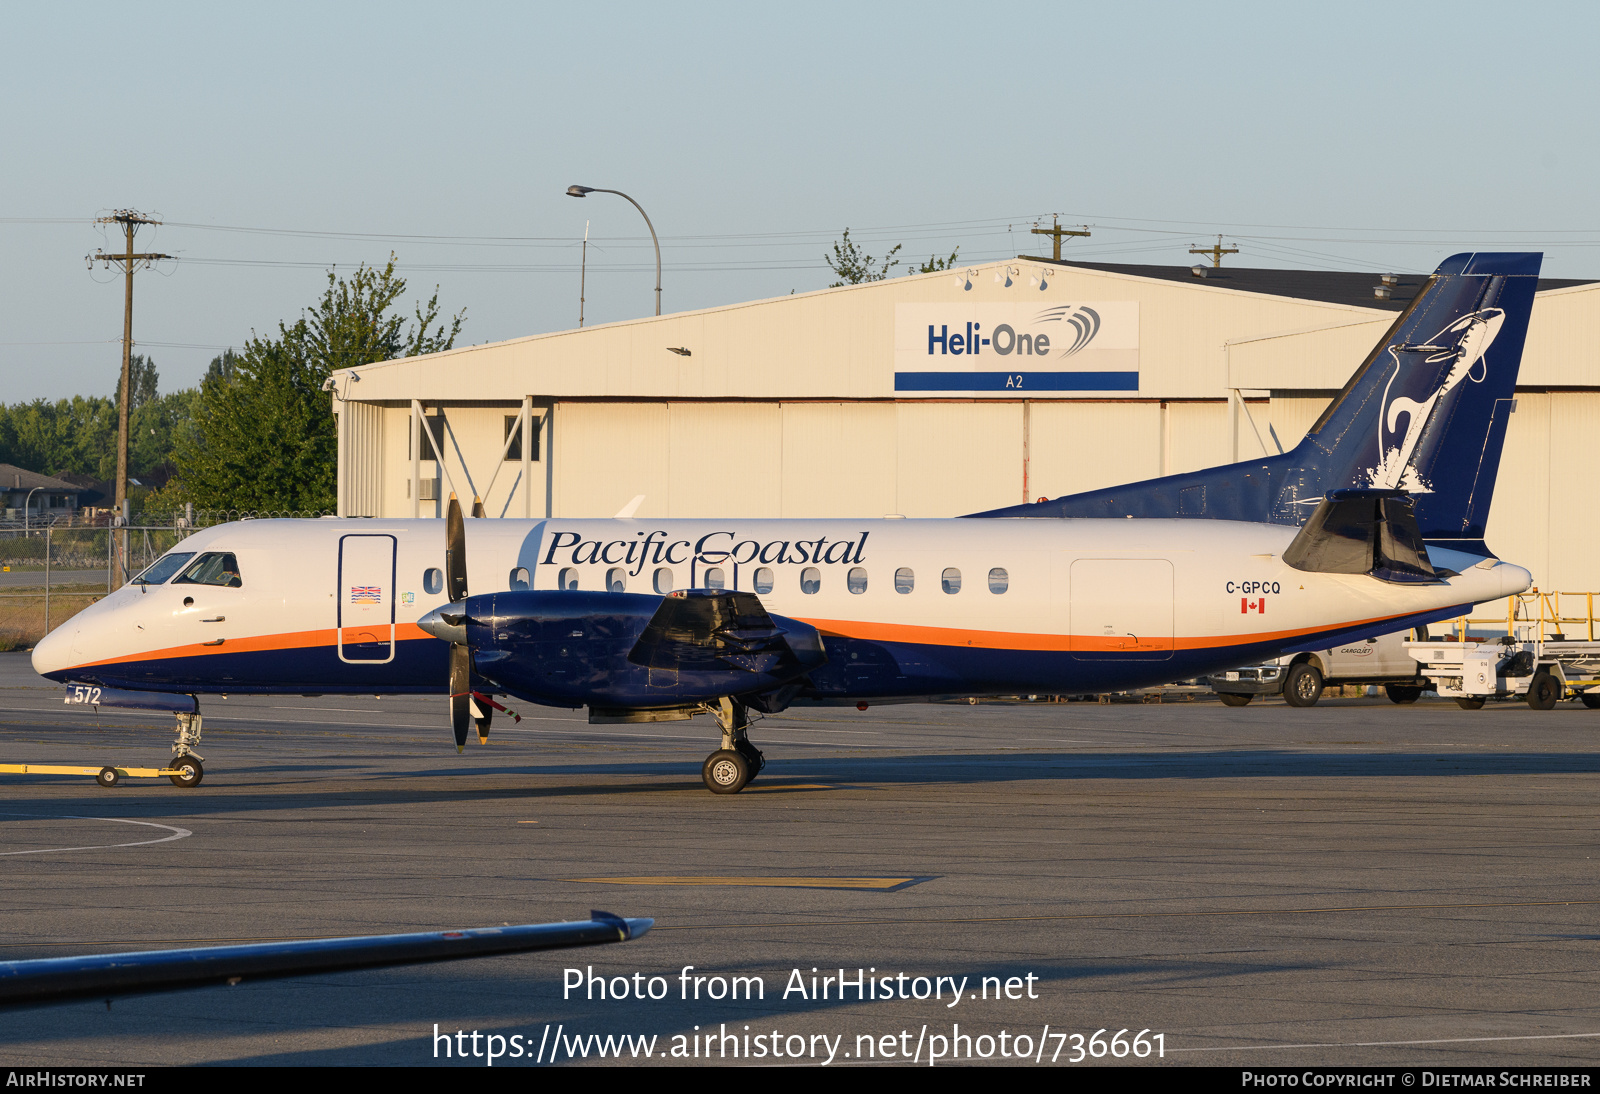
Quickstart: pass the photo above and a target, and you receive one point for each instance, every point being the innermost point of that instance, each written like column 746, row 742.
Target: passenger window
column 715, row 579
column 663, row 581
column 856, row 580
column 213, row 568
column 999, row 580
column 519, row 578
column 433, row 581
column 810, row 580
column 567, row 580
column 616, row 580
column 764, row 581
column 904, row 580
column 163, row 568
column 950, row 580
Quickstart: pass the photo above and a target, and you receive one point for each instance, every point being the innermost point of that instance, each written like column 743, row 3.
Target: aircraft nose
column 448, row 622
column 53, row 654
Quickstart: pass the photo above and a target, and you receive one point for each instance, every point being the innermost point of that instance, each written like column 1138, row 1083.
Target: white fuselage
column 328, row 605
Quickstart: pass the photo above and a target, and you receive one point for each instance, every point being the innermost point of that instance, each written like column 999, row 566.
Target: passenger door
column 365, row 594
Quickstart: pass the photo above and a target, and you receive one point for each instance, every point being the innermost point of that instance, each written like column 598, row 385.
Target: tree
column 145, row 382
column 854, row 266
column 263, row 434
column 222, row 365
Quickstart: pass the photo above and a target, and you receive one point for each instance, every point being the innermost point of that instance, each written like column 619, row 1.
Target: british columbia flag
column 366, row 594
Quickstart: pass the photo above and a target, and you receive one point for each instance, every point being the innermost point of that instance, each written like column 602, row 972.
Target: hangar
column 920, row 396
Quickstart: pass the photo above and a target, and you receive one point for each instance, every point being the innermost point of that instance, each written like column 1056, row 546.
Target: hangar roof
column 1186, row 338
column 1328, row 286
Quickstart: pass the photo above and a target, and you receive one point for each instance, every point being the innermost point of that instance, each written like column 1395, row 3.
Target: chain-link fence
column 52, row 569
column 25, row 521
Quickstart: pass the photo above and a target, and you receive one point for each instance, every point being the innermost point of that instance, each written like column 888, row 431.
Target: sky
column 277, row 142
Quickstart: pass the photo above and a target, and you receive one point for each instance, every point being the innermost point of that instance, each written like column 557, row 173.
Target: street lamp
column 581, row 191
column 26, row 524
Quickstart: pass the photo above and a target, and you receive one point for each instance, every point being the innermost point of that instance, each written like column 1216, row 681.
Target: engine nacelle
column 634, row 651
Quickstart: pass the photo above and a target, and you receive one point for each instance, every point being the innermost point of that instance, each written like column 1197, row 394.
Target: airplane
column 1372, row 523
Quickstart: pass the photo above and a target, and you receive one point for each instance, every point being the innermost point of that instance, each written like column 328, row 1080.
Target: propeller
column 449, row 622
column 455, row 578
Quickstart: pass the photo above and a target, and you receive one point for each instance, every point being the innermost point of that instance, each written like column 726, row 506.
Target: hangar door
column 1121, row 609
column 365, row 595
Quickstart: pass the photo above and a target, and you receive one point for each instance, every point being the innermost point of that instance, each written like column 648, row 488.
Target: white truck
column 1383, row 660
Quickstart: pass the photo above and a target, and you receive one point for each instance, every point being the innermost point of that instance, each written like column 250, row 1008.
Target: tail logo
column 1427, row 373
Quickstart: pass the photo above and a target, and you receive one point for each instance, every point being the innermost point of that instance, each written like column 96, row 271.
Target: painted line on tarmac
column 1116, row 915
column 177, row 833
column 1389, row 1044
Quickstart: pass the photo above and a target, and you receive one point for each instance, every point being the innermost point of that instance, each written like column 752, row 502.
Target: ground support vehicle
column 1545, row 655
column 1301, row 677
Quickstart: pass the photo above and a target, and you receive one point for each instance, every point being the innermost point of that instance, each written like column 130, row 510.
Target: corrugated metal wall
column 364, row 466
column 1084, row 446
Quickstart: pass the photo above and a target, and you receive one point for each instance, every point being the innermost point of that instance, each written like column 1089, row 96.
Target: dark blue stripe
column 1016, row 381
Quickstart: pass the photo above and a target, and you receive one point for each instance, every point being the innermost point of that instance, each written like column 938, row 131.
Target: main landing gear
column 727, row 770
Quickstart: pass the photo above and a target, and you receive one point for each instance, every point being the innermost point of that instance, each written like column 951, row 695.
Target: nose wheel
column 186, row 772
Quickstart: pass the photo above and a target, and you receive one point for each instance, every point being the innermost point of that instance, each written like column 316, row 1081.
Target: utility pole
column 129, row 263
column 583, row 271
column 1216, row 252
column 1057, row 231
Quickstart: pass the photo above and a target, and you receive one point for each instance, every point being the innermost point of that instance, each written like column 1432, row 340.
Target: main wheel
column 189, row 772
column 1303, row 686
column 1543, row 692
column 108, row 776
column 1234, row 699
column 725, row 771
column 1470, row 702
column 1590, row 699
column 1402, row 693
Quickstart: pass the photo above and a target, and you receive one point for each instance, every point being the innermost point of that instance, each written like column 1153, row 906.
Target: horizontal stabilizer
column 1363, row 532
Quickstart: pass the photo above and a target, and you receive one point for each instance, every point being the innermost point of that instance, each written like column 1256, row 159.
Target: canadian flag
column 1247, row 605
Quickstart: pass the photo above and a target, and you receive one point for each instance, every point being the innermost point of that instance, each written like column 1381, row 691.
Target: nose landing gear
column 185, row 765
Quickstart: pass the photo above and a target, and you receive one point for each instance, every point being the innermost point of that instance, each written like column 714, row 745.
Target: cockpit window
column 212, row 568
column 162, row 568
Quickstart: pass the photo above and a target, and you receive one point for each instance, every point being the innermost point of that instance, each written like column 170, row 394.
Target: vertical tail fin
column 1425, row 413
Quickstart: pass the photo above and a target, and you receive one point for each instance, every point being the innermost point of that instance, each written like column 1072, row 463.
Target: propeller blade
column 477, row 506
column 460, row 693
column 455, row 552
column 482, row 715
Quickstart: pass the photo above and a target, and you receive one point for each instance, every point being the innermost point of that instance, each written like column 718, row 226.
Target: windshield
column 213, row 568
column 158, row 572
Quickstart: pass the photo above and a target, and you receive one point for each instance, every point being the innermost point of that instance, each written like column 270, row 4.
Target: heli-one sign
column 1010, row 350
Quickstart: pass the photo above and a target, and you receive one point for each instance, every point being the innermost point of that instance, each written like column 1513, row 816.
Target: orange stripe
column 294, row 640
column 840, row 628
column 1008, row 640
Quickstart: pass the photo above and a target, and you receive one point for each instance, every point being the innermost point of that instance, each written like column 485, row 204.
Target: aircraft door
column 1121, row 609
column 366, row 596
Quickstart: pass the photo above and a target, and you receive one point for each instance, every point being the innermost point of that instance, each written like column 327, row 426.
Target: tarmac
column 1358, row 883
